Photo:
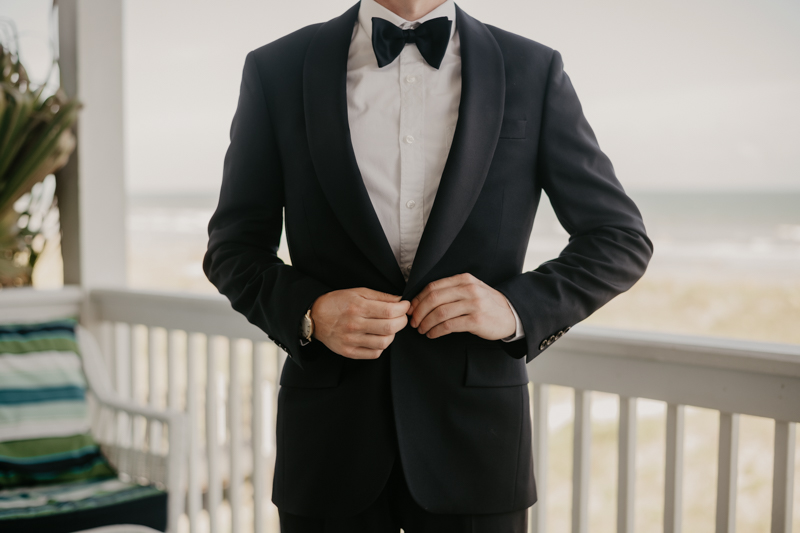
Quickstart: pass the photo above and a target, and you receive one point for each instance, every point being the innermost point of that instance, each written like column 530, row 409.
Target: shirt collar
column 370, row 8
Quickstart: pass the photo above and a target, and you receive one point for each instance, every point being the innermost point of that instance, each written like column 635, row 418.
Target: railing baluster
column 107, row 346
column 173, row 398
column 172, row 403
column 581, row 456
column 626, row 465
column 194, row 488
column 123, row 385
column 127, row 453
column 212, row 436
column 783, row 476
column 673, row 479
column 541, row 405
column 235, row 444
column 137, row 430
column 108, row 340
column 153, row 387
column 122, row 355
column 133, row 371
column 727, row 472
column 259, row 462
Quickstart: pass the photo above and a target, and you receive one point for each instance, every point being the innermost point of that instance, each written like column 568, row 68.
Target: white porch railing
column 162, row 349
column 195, row 354
column 732, row 377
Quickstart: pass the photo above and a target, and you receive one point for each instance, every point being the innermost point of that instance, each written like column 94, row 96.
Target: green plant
column 35, row 141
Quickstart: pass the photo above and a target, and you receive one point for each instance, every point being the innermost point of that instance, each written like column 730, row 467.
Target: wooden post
column 67, row 177
column 91, row 188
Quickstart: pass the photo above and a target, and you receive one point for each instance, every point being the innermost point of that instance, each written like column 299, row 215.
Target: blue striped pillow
column 44, row 422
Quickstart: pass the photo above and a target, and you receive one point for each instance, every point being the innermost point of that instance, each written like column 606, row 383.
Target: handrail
column 27, row 304
column 746, row 377
column 21, row 297
column 714, row 352
column 210, row 314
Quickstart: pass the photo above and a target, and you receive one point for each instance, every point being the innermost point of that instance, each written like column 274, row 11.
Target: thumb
column 378, row 296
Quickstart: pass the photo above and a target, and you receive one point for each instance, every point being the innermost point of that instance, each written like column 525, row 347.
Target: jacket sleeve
column 608, row 249
column 245, row 230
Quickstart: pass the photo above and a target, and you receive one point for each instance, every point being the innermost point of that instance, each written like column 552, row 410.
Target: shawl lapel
column 328, row 131
column 480, row 115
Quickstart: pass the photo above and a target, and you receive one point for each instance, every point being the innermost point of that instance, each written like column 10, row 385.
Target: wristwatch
column 306, row 328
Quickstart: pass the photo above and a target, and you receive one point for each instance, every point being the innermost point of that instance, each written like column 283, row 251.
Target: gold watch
column 306, row 328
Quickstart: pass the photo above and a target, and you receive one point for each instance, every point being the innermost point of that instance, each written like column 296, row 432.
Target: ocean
column 753, row 236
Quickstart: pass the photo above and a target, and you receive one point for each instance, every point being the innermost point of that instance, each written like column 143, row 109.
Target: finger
column 377, row 295
column 384, row 310
column 461, row 323
column 357, row 352
column 436, row 298
column 372, row 342
column 379, row 326
column 444, row 312
column 443, row 283
column 435, row 285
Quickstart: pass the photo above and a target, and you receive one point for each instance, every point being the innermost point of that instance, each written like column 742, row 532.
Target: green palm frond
column 36, row 140
column 35, row 136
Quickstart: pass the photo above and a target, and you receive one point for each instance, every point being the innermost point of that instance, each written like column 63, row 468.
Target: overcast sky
column 683, row 95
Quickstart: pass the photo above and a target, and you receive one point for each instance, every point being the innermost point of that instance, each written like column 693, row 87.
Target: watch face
column 306, row 327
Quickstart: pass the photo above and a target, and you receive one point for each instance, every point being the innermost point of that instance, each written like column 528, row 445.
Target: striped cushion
column 44, row 423
column 81, row 505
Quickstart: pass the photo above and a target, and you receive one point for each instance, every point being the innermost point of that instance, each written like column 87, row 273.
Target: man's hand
column 358, row 323
column 462, row 303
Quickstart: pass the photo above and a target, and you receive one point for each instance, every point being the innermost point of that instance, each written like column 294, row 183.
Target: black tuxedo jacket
column 456, row 408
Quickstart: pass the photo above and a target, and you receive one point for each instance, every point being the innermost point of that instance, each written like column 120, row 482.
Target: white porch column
column 92, row 199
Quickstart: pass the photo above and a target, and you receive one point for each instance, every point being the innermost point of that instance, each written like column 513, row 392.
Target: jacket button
column 551, row 340
column 543, row 345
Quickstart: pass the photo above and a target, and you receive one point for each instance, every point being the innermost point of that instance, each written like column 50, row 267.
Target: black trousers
column 395, row 509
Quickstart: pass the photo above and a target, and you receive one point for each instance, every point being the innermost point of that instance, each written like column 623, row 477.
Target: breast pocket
column 489, row 365
column 513, row 128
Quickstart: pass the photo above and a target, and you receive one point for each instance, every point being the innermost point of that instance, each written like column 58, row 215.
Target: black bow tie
column 431, row 38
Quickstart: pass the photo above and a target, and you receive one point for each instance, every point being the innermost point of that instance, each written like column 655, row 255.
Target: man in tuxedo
column 405, row 146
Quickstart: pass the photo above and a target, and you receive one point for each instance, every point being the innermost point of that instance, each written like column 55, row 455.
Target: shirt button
column 410, row 204
column 410, row 139
column 411, row 79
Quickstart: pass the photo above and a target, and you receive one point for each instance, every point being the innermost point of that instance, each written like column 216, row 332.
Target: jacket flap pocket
column 491, row 366
column 318, row 374
column 513, row 129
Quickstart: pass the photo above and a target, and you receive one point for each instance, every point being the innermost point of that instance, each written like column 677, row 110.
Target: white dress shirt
column 402, row 119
